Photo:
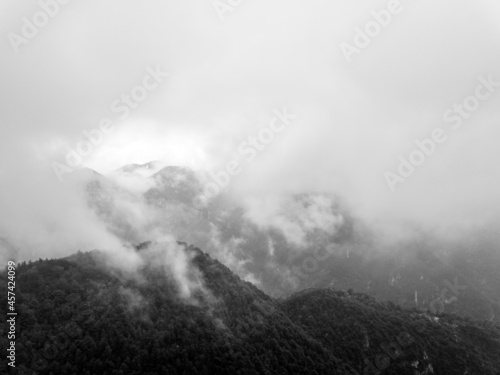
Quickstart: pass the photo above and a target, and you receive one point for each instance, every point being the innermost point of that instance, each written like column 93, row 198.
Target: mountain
column 140, row 202
column 146, row 169
column 177, row 184
column 465, row 282
column 179, row 311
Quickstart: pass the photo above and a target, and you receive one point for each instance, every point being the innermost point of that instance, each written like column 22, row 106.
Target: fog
column 226, row 80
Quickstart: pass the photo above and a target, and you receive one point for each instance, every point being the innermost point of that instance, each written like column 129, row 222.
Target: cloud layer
column 353, row 122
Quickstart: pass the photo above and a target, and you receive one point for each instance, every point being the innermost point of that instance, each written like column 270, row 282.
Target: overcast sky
column 227, row 76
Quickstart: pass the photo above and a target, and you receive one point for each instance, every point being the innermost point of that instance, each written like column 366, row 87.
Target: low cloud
column 296, row 218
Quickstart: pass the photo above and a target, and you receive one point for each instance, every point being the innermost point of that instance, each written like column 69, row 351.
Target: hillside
column 78, row 316
column 140, row 202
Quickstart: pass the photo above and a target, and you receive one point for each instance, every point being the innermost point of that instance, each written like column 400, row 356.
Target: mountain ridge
column 227, row 325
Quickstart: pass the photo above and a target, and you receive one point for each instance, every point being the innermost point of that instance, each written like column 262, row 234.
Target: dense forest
column 78, row 316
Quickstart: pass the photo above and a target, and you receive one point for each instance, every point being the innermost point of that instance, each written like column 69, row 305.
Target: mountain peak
column 149, row 167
